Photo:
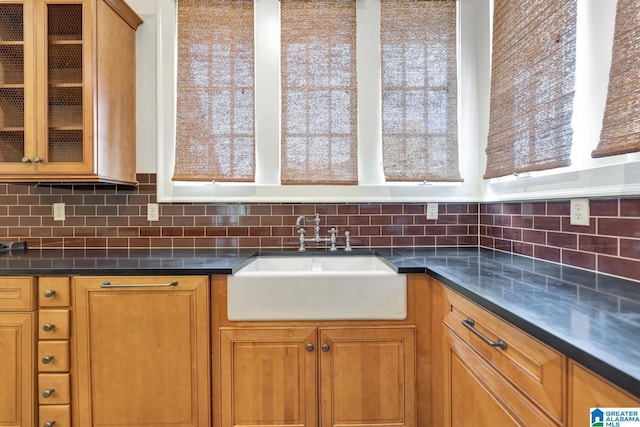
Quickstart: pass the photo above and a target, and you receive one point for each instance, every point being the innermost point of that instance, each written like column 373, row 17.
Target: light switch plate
column 580, row 212
column 432, row 211
column 58, row 212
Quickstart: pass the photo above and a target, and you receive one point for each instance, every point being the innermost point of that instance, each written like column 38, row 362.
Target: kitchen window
column 270, row 122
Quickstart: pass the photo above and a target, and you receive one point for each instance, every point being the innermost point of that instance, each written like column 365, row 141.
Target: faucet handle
column 347, row 243
column 333, row 232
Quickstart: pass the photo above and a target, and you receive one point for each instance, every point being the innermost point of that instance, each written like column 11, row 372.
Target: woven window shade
column 532, row 86
column 215, row 91
column 419, row 90
column 319, row 104
column 621, row 124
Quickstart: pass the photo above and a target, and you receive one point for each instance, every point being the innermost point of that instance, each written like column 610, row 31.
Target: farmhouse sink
column 317, row 287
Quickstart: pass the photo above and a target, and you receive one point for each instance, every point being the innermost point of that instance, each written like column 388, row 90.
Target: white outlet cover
column 432, row 211
column 58, row 212
column 152, row 212
column 580, row 214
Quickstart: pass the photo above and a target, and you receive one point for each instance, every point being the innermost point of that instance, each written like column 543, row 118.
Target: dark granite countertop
column 590, row 317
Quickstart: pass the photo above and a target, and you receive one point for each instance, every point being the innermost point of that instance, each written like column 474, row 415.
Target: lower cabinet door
column 476, row 395
column 268, row 377
column 17, row 352
column 142, row 348
column 367, row 377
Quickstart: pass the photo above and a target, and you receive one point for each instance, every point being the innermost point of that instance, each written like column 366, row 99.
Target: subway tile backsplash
column 106, row 216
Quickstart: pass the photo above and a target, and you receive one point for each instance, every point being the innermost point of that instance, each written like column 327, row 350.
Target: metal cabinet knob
column 37, row 160
column 48, row 327
column 310, row 347
column 25, row 160
column 49, row 293
column 48, row 393
column 325, row 347
column 47, row 359
column 49, row 424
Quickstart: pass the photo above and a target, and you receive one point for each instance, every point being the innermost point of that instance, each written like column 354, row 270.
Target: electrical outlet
column 580, row 212
column 58, row 212
column 432, row 211
column 152, row 211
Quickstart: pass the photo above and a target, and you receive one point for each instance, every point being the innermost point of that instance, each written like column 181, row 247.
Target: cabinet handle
column 49, row 293
column 25, row 160
column 48, row 393
column 47, row 359
column 48, row 327
column 49, row 424
column 37, row 160
column 469, row 324
column 107, row 284
column 310, row 347
column 325, row 347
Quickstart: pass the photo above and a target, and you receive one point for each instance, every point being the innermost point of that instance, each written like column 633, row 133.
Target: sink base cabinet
column 322, row 373
column 142, row 351
column 366, row 376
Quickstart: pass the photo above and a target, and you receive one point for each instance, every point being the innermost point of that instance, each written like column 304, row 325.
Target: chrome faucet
column 316, row 235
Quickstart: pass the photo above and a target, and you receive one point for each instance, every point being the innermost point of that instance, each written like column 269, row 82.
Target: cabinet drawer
column 17, row 293
column 533, row 367
column 53, row 325
column 53, row 356
column 54, row 292
column 55, row 415
column 54, row 389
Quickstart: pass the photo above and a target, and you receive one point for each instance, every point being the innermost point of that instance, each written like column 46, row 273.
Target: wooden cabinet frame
column 417, row 318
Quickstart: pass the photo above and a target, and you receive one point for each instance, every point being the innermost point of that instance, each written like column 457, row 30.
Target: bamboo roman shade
column 215, row 91
column 621, row 124
column 532, row 86
column 319, row 98
column 419, row 90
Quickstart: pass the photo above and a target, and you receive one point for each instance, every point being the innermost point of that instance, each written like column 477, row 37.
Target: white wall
column 146, row 148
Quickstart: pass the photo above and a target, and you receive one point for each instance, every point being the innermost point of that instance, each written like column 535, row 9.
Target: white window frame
column 371, row 187
column 586, row 177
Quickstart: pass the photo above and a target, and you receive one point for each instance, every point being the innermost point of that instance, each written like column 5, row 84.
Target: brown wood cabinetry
column 366, row 376
column 493, row 373
column 588, row 390
column 67, row 90
column 53, row 362
column 17, row 351
column 331, row 373
column 142, row 351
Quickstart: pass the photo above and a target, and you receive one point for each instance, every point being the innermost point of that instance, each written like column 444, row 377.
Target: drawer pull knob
column 310, row 347
column 47, row 359
column 49, row 293
column 469, row 324
column 48, row 327
column 49, row 424
column 48, row 393
column 325, row 347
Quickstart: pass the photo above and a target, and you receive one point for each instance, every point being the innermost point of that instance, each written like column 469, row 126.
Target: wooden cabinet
column 588, row 390
column 366, row 376
column 142, row 351
column 67, row 90
column 53, row 355
column 493, row 373
column 322, row 373
column 17, row 351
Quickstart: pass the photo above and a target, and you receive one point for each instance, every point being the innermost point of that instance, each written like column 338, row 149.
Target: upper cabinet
column 67, row 91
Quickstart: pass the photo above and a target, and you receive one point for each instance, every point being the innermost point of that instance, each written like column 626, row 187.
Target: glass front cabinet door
column 52, row 90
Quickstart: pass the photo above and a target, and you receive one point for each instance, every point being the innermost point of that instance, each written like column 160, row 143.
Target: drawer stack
column 54, row 379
